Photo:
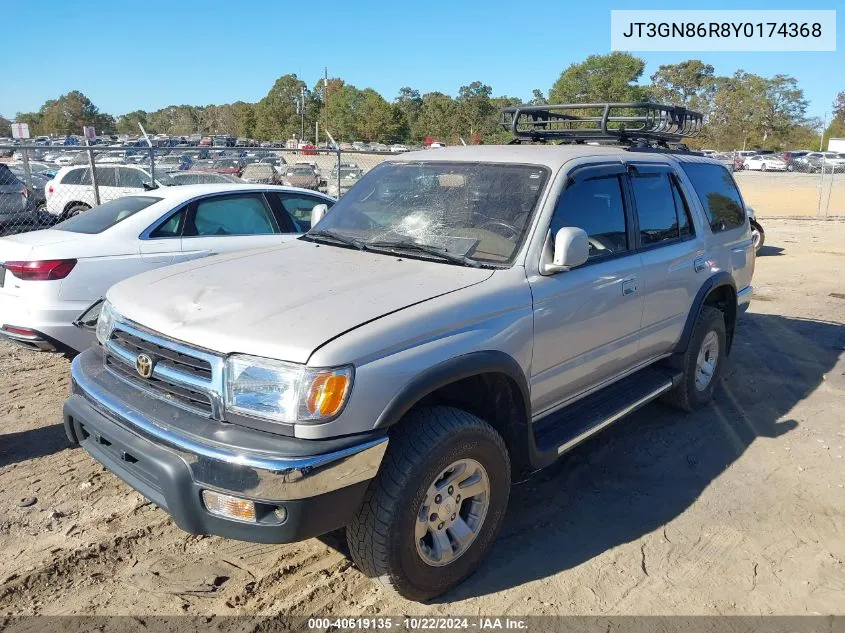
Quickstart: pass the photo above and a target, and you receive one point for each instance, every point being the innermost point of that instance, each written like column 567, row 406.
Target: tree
column 276, row 114
column 5, row 126
column 128, row 123
column 690, row 83
column 436, row 118
column 67, row 115
column 600, row 78
column 409, row 104
column 475, row 114
column 537, row 97
column 245, row 119
column 376, row 119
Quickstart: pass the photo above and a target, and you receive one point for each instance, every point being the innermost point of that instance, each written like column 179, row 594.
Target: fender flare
column 449, row 371
column 719, row 279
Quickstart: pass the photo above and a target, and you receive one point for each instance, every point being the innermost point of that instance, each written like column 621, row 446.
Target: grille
column 182, row 376
column 163, row 355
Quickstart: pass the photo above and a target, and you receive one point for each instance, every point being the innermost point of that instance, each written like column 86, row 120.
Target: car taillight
column 25, row 192
column 46, row 270
column 50, row 190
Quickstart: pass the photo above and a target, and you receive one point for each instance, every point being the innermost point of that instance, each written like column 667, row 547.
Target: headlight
column 285, row 392
column 105, row 322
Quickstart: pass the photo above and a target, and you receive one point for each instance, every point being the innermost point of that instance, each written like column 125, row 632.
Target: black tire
column 763, row 167
column 75, row 210
column 381, row 537
column 756, row 227
column 686, row 395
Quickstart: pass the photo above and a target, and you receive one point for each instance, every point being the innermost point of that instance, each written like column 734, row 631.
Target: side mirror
column 571, row 248
column 317, row 213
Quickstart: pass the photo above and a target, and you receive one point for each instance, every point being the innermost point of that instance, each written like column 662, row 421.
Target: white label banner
column 723, row 30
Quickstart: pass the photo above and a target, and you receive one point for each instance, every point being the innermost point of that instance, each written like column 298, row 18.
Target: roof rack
column 631, row 123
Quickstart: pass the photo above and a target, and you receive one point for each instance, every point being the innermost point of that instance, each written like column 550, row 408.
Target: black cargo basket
column 603, row 122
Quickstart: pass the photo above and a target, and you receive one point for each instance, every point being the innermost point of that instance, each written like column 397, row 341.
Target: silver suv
column 460, row 317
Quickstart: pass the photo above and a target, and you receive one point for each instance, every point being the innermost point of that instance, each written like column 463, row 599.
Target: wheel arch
column 489, row 384
column 718, row 291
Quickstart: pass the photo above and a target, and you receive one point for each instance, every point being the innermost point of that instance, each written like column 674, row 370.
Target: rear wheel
column 434, row 509
column 758, row 236
column 75, row 209
column 763, row 167
column 702, row 362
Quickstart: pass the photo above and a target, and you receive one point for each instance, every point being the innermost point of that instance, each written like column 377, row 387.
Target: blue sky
column 130, row 55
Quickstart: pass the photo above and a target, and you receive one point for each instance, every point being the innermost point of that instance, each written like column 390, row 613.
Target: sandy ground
column 737, row 509
column 789, row 194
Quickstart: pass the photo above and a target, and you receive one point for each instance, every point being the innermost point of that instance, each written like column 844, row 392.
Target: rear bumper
column 298, row 490
column 52, row 322
column 743, row 298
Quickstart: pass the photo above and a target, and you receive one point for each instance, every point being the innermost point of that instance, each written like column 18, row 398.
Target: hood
column 282, row 302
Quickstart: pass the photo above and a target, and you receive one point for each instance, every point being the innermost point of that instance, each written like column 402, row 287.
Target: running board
column 562, row 430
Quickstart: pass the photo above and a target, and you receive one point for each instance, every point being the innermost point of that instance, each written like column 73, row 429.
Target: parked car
column 18, row 204
column 201, row 178
column 262, row 173
column 37, row 190
column 350, row 173
column 174, row 162
column 302, row 175
column 396, row 148
column 790, row 157
column 472, row 321
column 230, row 166
column 816, row 161
column 764, row 162
column 71, row 191
column 49, row 277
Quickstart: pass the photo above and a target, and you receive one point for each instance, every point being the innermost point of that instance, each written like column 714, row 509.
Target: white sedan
column 48, row 278
column 764, row 162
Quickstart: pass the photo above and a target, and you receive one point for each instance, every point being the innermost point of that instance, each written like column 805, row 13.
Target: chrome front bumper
column 170, row 456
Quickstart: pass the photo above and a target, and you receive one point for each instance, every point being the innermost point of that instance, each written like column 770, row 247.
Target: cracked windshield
column 469, row 213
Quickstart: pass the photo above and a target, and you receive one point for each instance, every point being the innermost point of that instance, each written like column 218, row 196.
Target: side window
column 656, row 211
column 78, row 176
column 596, row 206
column 131, row 178
column 681, row 208
column 106, row 177
column 718, row 194
column 299, row 207
column 171, row 227
column 233, row 215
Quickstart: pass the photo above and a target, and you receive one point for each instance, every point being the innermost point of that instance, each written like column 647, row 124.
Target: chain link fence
column 43, row 185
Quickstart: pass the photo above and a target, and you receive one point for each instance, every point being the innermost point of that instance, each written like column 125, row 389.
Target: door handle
column 699, row 264
column 629, row 286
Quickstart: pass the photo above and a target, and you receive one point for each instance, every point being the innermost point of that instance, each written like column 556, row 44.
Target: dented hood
column 282, row 302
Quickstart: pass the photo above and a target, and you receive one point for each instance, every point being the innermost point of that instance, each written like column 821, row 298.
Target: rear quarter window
column 719, row 196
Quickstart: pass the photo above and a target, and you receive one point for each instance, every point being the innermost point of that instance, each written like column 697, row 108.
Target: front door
column 587, row 320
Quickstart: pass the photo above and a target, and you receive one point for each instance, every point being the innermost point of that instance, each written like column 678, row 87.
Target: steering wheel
column 354, row 219
column 496, row 226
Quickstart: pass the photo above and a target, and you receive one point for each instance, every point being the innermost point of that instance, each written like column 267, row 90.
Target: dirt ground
column 737, row 509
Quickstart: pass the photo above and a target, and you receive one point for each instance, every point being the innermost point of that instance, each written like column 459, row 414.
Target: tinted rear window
column 718, row 194
column 106, row 215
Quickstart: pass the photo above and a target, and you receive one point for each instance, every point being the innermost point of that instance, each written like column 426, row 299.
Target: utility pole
column 326, row 95
column 302, row 113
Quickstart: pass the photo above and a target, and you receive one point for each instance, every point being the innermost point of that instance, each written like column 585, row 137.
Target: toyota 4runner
column 460, row 317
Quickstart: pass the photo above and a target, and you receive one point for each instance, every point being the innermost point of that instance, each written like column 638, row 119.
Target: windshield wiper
column 325, row 234
column 428, row 249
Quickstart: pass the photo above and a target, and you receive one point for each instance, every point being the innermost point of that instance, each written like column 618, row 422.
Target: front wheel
column 434, row 509
column 763, row 167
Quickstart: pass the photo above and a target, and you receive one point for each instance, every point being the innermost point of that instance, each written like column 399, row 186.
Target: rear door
column 107, row 183
column 671, row 253
column 230, row 222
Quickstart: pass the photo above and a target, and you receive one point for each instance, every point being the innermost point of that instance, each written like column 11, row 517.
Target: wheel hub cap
column 705, row 365
column 452, row 512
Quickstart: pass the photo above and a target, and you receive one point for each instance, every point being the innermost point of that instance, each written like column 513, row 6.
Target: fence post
column 93, row 173
column 27, row 173
column 152, row 167
column 338, row 172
